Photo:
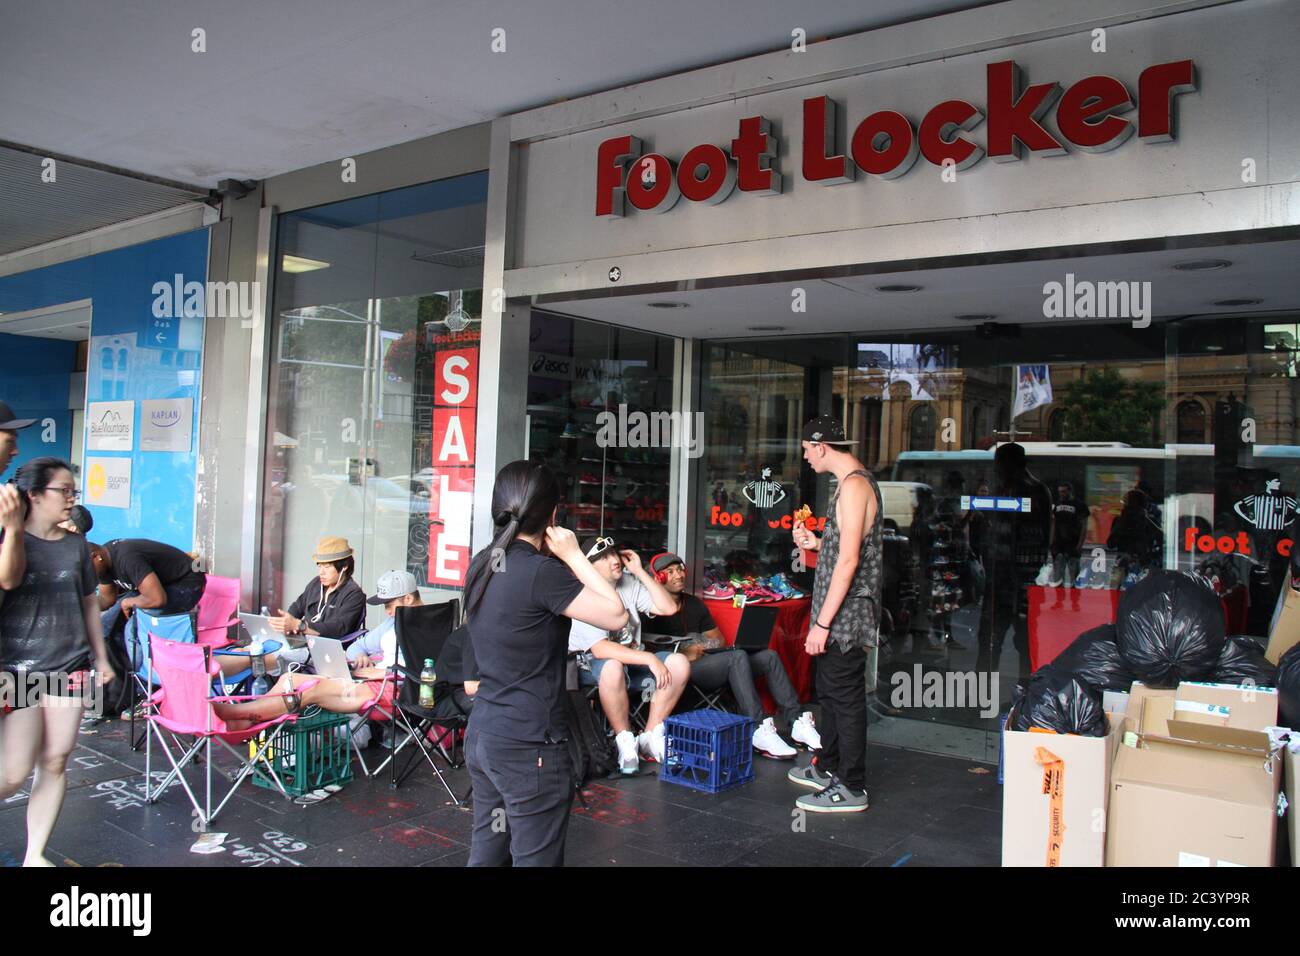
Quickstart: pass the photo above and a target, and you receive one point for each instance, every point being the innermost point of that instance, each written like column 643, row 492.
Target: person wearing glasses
column 51, row 643
column 618, row 661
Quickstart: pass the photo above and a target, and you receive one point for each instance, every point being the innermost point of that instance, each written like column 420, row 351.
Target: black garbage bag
column 1056, row 700
column 1094, row 658
column 1288, row 689
column 1243, row 660
column 1170, row 628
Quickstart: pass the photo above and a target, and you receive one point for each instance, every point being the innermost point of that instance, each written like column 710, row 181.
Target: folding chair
column 173, row 627
column 183, row 708
column 215, row 613
column 421, row 634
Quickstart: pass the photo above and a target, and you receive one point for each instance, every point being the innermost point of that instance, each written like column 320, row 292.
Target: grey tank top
column 857, row 623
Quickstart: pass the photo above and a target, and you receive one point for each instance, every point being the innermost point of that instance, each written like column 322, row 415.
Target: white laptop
column 259, row 628
column 328, row 658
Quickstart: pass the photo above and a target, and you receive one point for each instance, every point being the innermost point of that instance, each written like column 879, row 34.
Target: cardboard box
column 1284, row 631
column 1029, row 821
column 1200, row 787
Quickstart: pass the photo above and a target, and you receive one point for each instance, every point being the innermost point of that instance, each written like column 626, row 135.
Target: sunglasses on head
column 600, row 547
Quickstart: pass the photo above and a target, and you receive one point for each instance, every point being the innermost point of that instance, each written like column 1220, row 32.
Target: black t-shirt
column 134, row 559
column 42, row 621
column 520, row 638
column 457, row 664
column 691, row 618
column 1070, row 518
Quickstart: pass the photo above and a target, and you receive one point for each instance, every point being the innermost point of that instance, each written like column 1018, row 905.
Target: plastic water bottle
column 260, row 684
column 427, row 679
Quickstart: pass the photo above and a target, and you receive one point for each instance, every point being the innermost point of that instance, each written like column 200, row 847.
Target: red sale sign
column 455, row 399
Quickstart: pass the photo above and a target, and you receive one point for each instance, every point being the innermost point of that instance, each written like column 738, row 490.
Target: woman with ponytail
column 50, row 638
column 520, row 593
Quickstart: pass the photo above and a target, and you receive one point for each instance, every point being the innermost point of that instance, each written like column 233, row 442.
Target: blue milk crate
column 708, row 750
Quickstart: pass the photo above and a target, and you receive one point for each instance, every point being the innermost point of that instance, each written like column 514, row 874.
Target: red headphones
column 660, row 576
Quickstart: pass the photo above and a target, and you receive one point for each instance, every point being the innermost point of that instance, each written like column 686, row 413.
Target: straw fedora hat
column 332, row 549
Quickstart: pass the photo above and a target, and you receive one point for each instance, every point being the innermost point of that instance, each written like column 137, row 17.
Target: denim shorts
column 634, row 674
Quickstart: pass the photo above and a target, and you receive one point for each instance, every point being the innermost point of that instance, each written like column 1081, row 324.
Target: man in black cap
column 13, row 563
column 845, row 623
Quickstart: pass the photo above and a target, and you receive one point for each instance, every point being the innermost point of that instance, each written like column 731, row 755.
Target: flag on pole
column 1033, row 388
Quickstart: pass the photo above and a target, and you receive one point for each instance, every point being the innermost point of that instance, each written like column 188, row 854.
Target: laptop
column 755, row 630
column 259, row 628
column 328, row 658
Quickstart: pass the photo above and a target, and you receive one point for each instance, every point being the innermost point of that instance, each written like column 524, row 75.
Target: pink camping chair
column 216, row 611
column 183, row 708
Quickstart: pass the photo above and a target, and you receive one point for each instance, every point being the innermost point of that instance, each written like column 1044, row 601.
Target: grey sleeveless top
column 857, row 623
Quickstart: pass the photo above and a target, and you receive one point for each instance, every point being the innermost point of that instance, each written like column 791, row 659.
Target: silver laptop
column 259, row 628
column 328, row 658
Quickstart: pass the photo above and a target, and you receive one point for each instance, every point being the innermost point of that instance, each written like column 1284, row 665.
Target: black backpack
column 590, row 751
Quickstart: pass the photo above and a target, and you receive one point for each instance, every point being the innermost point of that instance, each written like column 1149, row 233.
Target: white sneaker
column 650, row 745
column 804, row 731
column 769, row 743
column 628, row 761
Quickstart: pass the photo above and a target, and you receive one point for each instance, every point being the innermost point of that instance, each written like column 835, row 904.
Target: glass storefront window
column 596, row 394
column 370, row 430
column 1177, row 448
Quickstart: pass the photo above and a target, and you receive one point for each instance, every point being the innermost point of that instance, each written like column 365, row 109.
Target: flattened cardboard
column 1293, row 811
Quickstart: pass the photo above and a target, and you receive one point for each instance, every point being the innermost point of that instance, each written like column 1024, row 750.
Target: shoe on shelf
column 809, row 776
column 651, row 744
column 718, row 592
column 625, row 743
column 835, row 798
column 769, row 743
column 804, row 731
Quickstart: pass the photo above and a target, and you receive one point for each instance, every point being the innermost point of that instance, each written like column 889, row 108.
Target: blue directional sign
column 162, row 333
column 992, row 503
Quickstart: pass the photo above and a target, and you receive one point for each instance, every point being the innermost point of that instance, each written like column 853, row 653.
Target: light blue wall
column 126, row 363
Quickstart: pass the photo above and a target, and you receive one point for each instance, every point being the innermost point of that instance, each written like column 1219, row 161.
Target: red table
column 788, row 635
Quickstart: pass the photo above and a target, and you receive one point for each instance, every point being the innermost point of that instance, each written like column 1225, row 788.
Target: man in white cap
column 378, row 648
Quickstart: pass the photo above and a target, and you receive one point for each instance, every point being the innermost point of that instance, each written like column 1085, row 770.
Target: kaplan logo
column 76, row 910
column 886, row 144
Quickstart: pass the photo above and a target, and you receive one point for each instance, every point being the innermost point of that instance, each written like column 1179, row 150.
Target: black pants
column 842, row 693
column 522, row 795
column 1005, row 605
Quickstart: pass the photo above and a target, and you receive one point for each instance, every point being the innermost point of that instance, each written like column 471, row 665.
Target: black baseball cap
column 662, row 562
column 9, row 423
column 827, row 430
column 596, row 545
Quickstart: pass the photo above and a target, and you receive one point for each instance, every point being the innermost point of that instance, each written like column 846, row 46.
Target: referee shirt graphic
column 764, row 492
column 1267, row 512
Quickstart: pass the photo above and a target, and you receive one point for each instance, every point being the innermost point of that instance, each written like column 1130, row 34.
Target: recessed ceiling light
column 898, row 288
column 1237, row 303
column 668, row 305
column 766, row 328
column 1214, row 348
column 1201, row 265
column 292, row 263
column 974, row 317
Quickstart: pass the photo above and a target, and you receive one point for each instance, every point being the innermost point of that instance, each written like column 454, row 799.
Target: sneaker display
column 718, row 592
column 650, row 745
column 835, row 798
column 804, row 731
column 809, row 777
column 626, row 744
column 769, row 743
